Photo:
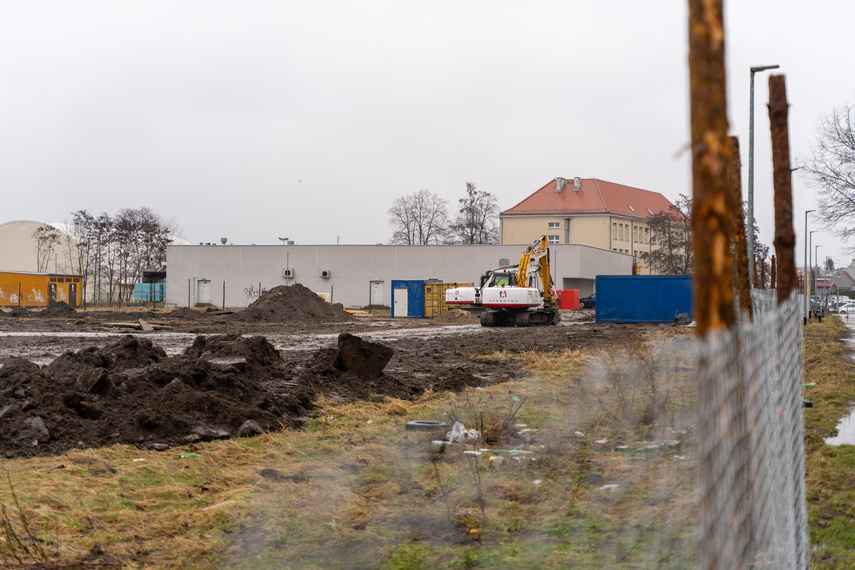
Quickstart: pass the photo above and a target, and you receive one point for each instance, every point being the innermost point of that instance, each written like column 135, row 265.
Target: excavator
column 520, row 295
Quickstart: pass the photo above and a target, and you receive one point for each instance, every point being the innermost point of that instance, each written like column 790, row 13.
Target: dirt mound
column 294, row 303
column 54, row 310
column 131, row 392
column 20, row 312
column 354, row 371
column 456, row 317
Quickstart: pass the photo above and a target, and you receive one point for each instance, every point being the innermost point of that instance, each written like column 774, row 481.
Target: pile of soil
column 354, row 371
column 456, row 317
column 294, row 303
column 131, row 392
column 57, row 310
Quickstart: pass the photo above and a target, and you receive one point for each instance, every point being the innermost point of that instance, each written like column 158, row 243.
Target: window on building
column 554, row 225
column 614, row 231
column 554, row 240
column 646, row 235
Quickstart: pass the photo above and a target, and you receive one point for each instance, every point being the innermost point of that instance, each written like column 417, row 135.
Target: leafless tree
column 477, row 218
column 419, row 219
column 46, row 241
column 671, row 251
column 830, row 168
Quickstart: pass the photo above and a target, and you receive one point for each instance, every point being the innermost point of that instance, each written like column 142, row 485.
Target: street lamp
column 807, row 248
column 754, row 70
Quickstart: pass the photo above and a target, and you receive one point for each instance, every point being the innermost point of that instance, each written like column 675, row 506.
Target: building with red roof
column 585, row 211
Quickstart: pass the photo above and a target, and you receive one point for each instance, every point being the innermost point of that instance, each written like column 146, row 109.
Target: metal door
column 401, row 302
column 376, row 292
column 203, row 295
column 72, row 294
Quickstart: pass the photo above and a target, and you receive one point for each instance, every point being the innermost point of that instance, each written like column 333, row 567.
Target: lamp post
column 754, row 70
column 807, row 248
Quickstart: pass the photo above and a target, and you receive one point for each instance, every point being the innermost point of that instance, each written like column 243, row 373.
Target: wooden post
column 762, row 274
column 189, row 295
column 774, row 274
column 743, row 283
column 224, row 294
column 711, row 207
column 332, row 289
column 785, row 236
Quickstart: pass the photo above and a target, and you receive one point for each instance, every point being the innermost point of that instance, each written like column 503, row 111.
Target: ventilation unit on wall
column 326, row 274
column 288, row 273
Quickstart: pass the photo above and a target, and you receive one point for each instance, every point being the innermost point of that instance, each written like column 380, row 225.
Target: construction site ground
column 74, row 379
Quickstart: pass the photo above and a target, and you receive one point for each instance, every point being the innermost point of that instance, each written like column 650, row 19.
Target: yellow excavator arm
column 536, row 259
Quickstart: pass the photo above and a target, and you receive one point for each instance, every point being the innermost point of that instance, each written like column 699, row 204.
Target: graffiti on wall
column 251, row 292
column 36, row 296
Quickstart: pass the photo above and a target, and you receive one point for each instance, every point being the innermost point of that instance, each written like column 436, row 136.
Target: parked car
column 847, row 309
column 588, row 302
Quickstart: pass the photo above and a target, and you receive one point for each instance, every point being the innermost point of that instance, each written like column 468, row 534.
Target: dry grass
column 354, row 489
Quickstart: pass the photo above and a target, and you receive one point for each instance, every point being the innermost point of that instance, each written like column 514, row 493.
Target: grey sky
column 305, row 120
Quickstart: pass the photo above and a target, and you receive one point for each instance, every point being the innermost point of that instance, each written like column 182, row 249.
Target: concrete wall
column 192, row 269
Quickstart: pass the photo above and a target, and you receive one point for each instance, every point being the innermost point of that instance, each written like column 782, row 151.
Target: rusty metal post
column 711, row 208
column 743, row 283
column 785, row 236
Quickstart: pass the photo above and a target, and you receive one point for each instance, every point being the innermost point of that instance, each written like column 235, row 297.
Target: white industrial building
column 359, row 275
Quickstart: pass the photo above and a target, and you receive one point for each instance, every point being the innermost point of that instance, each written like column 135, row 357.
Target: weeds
column 20, row 550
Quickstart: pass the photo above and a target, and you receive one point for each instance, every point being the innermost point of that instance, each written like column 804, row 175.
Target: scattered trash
column 471, row 452
column 60, row 466
column 623, row 448
column 515, row 398
column 580, row 434
column 186, row 455
column 601, row 441
column 608, row 488
column 459, row 433
column 810, row 385
column 139, row 459
column 537, row 482
column 473, row 531
column 520, row 425
column 368, row 422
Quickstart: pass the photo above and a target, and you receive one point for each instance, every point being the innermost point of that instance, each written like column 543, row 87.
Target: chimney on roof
column 577, row 184
column 559, row 184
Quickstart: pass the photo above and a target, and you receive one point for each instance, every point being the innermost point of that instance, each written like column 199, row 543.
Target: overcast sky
column 260, row 120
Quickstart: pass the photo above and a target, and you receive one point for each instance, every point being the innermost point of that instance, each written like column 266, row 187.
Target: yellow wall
column 34, row 289
column 596, row 231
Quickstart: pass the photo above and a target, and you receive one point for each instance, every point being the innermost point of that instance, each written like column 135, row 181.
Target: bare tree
column 476, row 220
column 671, row 251
column 46, row 240
column 419, row 219
column 830, row 168
column 83, row 242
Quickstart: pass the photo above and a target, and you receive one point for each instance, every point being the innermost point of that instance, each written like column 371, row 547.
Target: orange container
column 569, row 299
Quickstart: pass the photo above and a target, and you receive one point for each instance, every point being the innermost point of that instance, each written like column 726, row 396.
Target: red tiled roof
column 594, row 197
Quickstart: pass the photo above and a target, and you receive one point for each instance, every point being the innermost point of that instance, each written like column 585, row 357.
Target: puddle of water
column 845, row 432
column 846, row 426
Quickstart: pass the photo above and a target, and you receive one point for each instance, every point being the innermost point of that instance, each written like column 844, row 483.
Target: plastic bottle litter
column 623, row 448
column 810, row 385
column 608, row 488
column 186, row 455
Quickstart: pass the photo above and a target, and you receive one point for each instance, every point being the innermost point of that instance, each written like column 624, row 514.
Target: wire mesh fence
column 750, row 442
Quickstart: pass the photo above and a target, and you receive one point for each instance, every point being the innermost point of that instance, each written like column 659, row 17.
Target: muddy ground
column 76, row 379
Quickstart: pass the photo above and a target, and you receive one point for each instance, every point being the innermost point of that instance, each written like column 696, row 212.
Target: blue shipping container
column 143, row 292
column 408, row 298
column 644, row 298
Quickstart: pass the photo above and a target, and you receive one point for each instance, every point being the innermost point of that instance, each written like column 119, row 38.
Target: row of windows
column 622, row 231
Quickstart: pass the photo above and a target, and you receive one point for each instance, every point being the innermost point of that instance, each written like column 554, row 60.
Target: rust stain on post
column 743, row 284
column 712, row 198
column 785, row 236
column 774, row 273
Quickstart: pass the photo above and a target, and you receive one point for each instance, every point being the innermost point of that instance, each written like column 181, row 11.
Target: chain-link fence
column 750, row 441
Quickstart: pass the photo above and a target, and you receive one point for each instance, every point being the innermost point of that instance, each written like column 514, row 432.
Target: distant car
column 588, row 302
column 847, row 309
